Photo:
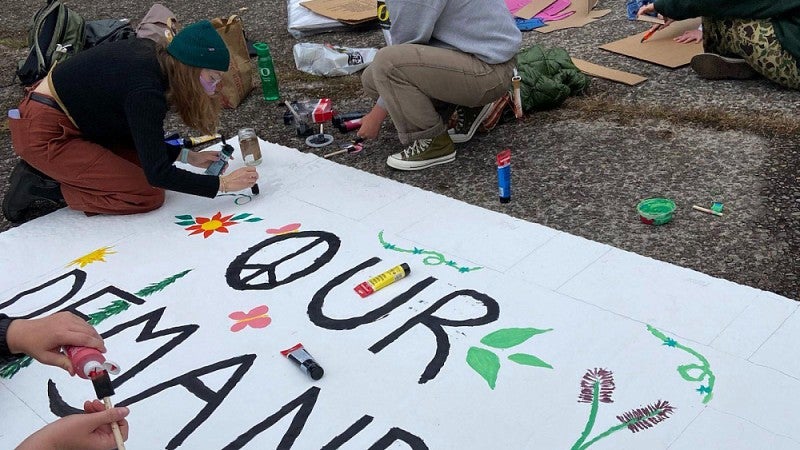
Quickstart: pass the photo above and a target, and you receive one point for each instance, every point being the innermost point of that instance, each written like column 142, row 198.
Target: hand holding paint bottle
column 88, row 362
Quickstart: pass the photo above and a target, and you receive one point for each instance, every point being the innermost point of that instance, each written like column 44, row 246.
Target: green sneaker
column 424, row 153
column 467, row 121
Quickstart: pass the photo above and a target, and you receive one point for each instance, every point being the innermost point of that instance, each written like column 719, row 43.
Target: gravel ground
column 581, row 168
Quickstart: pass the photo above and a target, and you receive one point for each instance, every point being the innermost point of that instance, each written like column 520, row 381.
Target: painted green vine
column 704, row 368
column 431, row 258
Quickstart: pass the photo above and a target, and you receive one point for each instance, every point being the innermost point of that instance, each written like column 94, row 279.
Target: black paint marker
column 254, row 189
column 299, row 355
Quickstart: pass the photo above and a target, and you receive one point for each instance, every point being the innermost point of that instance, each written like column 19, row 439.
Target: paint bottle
column 216, row 167
column 302, row 358
column 381, row 281
column 340, row 118
column 88, row 362
column 349, row 125
column 504, row 175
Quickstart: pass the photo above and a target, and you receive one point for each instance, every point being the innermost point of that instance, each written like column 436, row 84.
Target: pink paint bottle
column 88, row 362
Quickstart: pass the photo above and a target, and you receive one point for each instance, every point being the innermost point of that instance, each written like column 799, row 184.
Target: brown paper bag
column 237, row 82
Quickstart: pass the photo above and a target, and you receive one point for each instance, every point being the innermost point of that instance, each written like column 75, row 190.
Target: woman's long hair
column 197, row 109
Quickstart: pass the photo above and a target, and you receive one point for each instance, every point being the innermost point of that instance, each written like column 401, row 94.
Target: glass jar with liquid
column 251, row 150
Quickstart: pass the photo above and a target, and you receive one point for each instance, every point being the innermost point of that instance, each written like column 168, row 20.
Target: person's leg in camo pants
column 755, row 42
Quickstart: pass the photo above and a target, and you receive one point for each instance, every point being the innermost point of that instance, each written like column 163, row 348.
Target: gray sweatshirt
column 484, row 28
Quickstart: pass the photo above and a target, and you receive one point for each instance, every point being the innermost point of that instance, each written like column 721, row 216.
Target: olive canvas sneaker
column 716, row 67
column 424, row 153
column 467, row 121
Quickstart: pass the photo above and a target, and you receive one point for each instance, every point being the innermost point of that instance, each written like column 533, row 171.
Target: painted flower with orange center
column 207, row 226
column 217, row 223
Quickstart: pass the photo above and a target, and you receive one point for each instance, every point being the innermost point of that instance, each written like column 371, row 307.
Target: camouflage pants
column 755, row 42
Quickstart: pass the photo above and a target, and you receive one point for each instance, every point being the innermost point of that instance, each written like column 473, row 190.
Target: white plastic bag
column 331, row 61
column 303, row 22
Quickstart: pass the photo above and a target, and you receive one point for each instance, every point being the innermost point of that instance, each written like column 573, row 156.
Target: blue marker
column 504, row 175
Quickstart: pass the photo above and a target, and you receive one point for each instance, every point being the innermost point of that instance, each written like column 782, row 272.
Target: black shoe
column 26, row 186
column 716, row 67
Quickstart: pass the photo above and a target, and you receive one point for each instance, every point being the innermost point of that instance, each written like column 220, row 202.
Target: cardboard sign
column 660, row 49
column 348, row 11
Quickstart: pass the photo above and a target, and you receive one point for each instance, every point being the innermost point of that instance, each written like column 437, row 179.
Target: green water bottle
column 266, row 71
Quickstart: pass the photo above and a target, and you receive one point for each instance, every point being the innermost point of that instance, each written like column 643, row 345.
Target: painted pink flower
column 256, row 318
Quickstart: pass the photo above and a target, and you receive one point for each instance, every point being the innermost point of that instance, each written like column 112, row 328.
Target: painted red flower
column 207, row 226
column 256, row 318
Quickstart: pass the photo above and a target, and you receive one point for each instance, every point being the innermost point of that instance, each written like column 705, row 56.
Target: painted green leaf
column 509, row 337
column 241, row 216
column 528, row 360
column 254, row 219
column 186, row 223
column 185, row 217
column 486, row 363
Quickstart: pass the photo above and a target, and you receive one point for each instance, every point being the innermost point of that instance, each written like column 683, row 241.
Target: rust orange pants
column 94, row 179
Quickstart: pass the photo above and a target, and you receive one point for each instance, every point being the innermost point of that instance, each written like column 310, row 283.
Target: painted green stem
column 592, row 417
column 616, row 428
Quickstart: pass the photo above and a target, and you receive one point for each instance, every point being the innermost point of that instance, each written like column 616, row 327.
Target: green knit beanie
column 200, row 45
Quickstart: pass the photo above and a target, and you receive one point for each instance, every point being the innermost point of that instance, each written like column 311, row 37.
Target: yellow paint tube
column 381, row 281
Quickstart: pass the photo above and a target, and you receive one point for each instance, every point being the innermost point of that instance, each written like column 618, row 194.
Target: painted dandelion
column 643, row 418
column 597, row 386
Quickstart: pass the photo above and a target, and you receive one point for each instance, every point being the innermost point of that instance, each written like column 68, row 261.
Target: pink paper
column 516, row 5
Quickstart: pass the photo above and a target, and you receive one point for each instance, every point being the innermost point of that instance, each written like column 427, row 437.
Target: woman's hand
column 649, row 10
column 371, row 123
column 42, row 339
column 90, row 431
column 204, row 159
column 690, row 36
column 238, row 180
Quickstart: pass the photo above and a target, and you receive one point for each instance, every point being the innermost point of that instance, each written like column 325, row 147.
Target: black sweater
column 116, row 94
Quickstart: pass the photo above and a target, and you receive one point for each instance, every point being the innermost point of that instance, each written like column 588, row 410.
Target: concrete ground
column 581, row 168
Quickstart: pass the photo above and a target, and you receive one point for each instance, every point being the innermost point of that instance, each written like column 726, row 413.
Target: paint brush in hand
column 651, row 32
column 104, row 390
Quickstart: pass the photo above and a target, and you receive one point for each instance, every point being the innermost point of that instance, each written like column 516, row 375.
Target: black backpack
column 55, row 34
column 107, row 30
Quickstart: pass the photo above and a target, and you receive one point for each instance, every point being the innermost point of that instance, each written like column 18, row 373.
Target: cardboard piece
column 660, row 48
column 650, row 19
column 347, row 11
column 573, row 21
column 596, row 70
column 533, row 8
column 582, row 15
